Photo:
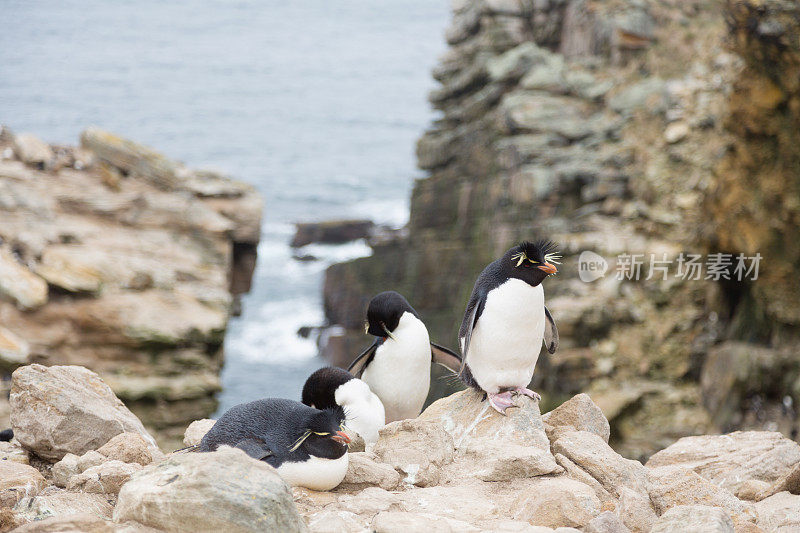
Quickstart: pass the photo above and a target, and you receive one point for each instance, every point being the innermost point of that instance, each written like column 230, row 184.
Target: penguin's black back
column 276, row 421
column 320, row 387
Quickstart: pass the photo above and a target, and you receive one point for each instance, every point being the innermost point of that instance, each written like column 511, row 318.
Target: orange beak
column 548, row 268
column 341, row 437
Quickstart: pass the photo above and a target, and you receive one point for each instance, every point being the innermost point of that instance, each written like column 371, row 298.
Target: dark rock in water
column 331, row 232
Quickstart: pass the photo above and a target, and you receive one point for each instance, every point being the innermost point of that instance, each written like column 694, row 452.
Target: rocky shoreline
column 89, row 465
column 117, row 258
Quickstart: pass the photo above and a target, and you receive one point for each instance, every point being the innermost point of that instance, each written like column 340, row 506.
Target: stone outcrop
column 120, row 259
column 460, row 466
column 606, row 127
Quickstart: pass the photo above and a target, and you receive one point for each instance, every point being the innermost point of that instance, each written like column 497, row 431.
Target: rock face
column 117, row 258
column 606, row 127
column 224, row 490
column 67, row 409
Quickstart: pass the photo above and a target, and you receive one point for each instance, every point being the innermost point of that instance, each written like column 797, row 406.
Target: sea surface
column 316, row 103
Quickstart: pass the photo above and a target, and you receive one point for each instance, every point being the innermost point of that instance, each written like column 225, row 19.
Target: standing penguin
column 506, row 321
column 397, row 366
column 330, row 387
column 306, row 445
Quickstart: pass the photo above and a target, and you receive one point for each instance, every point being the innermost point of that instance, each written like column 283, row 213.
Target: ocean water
column 316, row 103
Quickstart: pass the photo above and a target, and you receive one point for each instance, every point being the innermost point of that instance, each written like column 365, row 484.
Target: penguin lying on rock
column 330, row 387
column 308, row 446
column 397, row 366
column 506, row 321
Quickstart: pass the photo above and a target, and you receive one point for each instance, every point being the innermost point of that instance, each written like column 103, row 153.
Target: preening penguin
column 329, row 387
column 306, row 445
column 397, row 366
column 506, row 321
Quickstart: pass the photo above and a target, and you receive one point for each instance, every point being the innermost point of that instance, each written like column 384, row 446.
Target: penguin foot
column 500, row 401
column 529, row 393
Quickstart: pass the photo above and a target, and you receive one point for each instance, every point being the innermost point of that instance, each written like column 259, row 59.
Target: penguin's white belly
column 400, row 372
column 364, row 410
column 507, row 338
column 316, row 473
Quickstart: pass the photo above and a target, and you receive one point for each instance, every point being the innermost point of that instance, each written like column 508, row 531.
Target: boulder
column 33, row 151
column 363, row 471
column 65, row 469
column 17, row 481
column 490, row 446
column 19, row 285
column 580, row 413
column 90, row 459
column 402, row 522
column 331, row 232
column 694, row 518
column 606, row 522
column 196, row 431
column 671, row 486
column 129, row 448
column 14, row 350
column 56, row 502
column 106, row 478
column 636, row 510
column 416, row 448
column 789, row 482
column 730, row 460
column 67, row 409
column 13, row 452
column 779, row 513
column 223, row 490
column 557, row 502
column 335, row 522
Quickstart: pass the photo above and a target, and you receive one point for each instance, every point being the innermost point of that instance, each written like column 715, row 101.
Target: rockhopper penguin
column 397, row 366
column 329, row 387
column 306, row 445
column 506, row 321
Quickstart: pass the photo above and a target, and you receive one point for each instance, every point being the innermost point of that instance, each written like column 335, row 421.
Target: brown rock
column 129, row 448
column 90, row 459
column 606, row 522
column 66, row 409
column 557, row 502
column 580, row 413
column 789, row 482
column 17, row 481
column 78, row 523
column 56, row 502
column 417, row 448
column 363, row 471
column 18, row 284
column 13, row 452
column 780, row 513
column 106, row 478
column 33, row 151
column 753, row 490
column 400, row 522
column 65, row 469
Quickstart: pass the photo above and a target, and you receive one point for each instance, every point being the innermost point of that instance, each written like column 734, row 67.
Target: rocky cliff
column 617, row 127
column 115, row 257
column 459, row 467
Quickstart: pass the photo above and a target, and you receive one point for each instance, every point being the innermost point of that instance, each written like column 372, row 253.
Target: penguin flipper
column 360, row 363
column 255, row 448
column 470, row 322
column 445, row 357
column 550, row 332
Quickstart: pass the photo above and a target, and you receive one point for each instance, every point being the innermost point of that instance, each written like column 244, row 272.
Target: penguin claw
column 529, row 393
column 500, row 401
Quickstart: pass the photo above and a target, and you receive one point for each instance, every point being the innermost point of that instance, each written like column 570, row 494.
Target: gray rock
column 694, row 518
column 55, row 502
column 511, row 65
column 223, row 490
column 106, row 478
column 65, row 469
column 363, row 471
column 789, row 482
column 129, row 448
column 17, row 481
column 84, row 522
column 401, row 522
column 650, row 94
column 14, row 351
column 557, row 502
column 90, row 459
column 606, row 522
column 730, row 460
column 331, row 232
column 579, row 413
column 416, row 448
column 67, row 409
column 196, row 431
column 22, row 287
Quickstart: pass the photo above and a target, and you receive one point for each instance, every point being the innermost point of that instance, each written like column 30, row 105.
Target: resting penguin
column 506, row 321
column 329, row 387
column 397, row 366
column 306, row 445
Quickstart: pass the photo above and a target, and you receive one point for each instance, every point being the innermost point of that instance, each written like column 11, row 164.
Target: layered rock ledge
column 459, row 467
column 117, row 258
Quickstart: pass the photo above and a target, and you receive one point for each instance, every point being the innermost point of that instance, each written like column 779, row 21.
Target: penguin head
column 384, row 313
column 531, row 261
column 323, row 434
column 320, row 388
